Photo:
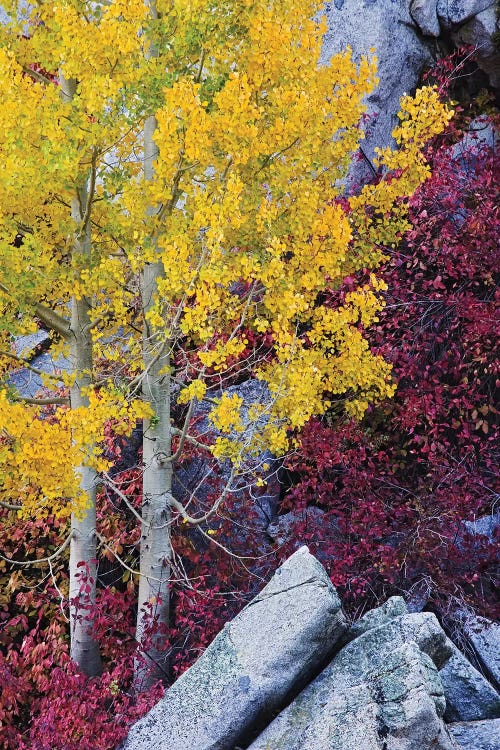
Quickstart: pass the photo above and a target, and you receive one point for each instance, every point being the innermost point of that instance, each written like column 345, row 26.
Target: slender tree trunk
column 84, row 649
column 83, row 552
column 153, row 603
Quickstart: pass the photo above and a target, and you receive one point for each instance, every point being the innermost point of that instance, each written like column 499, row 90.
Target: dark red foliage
column 45, row 702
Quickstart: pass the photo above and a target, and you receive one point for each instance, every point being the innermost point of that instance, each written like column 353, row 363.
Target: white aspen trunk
column 155, row 554
column 84, row 650
column 83, row 551
column 153, row 601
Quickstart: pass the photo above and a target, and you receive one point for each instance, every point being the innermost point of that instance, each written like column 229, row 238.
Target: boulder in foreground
column 275, row 644
column 469, row 696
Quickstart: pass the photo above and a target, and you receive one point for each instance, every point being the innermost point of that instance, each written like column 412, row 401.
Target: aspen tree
column 175, row 170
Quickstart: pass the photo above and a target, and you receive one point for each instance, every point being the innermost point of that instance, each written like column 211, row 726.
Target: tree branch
column 275, row 154
column 37, row 76
column 122, row 562
column 182, row 433
column 29, row 366
column 41, row 559
column 59, row 401
column 215, row 507
column 53, row 320
column 112, row 485
column 200, row 69
column 184, row 436
column 10, row 506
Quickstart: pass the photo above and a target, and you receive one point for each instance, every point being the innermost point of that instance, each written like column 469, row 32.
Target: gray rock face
column 477, row 735
column 29, row 383
column 388, row 27
column 25, row 346
column 393, row 607
column 418, row 599
column 34, row 349
column 484, row 637
column 484, row 526
column 251, row 667
column 421, row 628
column 381, row 691
column 455, row 12
column 469, row 696
column 280, row 530
column 390, row 688
column 196, row 479
column 424, row 13
column 479, row 31
column 473, row 22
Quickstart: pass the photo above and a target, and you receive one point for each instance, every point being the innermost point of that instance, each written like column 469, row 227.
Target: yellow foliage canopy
column 253, row 140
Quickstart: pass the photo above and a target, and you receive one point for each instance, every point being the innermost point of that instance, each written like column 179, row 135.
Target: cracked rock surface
column 270, row 649
column 380, row 692
column 393, row 607
column 469, row 695
column 367, row 24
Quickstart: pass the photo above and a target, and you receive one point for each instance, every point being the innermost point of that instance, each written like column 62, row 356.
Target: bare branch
column 368, row 161
column 167, row 209
column 62, row 598
column 183, row 435
column 112, row 485
column 29, row 366
column 269, row 158
column 58, row 401
column 48, row 559
column 122, row 562
column 53, row 320
column 141, row 376
column 37, row 76
column 235, row 555
column 215, row 507
column 200, row 69
column 96, row 322
column 10, row 506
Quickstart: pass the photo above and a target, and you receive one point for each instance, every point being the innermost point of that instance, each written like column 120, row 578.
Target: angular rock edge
column 380, row 689
column 272, row 648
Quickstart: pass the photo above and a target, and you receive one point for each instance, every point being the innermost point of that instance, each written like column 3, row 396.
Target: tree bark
column 153, row 601
column 84, row 649
column 83, row 550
